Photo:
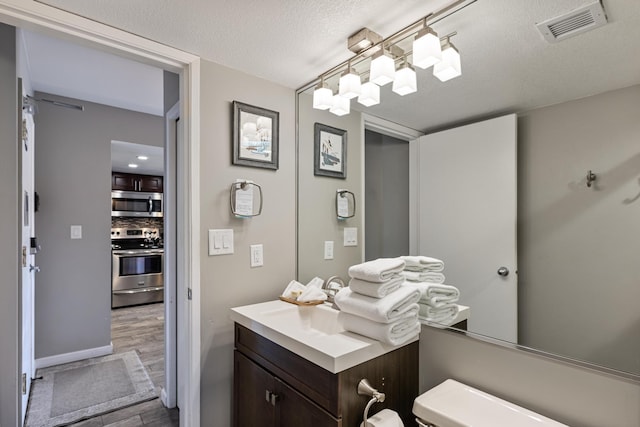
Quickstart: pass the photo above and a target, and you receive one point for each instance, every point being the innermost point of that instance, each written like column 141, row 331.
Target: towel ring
column 242, row 211
column 345, row 204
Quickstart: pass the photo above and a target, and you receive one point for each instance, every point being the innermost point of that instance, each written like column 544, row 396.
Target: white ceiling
column 507, row 66
column 124, row 153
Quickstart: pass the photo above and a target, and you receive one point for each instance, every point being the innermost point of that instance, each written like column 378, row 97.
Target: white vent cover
column 571, row 24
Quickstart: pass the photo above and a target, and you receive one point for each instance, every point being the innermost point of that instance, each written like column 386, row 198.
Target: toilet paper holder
column 365, row 389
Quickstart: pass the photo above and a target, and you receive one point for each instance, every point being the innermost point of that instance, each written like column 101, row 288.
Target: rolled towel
column 379, row 270
column 384, row 310
column 395, row 333
column 445, row 314
column 374, row 289
column 312, row 293
column 422, row 263
column 423, row 276
column 436, row 294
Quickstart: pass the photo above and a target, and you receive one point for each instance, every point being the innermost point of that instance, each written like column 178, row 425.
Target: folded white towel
column 375, row 289
column 293, row 289
column 423, row 276
column 422, row 263
column 384, row 418
column 445, row 314
column 395, row 333
column 312, row 293
column 384, row 310
column 316, row 282
column 379, row 270
column 436, row 294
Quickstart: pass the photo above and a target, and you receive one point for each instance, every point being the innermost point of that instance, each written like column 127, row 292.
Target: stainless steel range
column 137, row 266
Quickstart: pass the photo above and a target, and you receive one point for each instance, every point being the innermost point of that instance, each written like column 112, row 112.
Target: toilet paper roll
column 384, row 418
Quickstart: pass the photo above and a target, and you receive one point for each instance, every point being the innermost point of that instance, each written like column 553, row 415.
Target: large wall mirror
column 577, row 106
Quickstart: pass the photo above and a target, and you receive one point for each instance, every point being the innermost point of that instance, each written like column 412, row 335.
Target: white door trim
column 43, row 18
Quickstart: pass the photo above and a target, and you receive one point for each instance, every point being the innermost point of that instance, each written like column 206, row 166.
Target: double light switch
column 220, row 242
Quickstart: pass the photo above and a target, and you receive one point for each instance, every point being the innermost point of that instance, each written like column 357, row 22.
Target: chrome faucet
column 331, row 286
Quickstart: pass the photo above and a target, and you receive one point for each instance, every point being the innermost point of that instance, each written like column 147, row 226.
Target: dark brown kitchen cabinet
column 275, row 387
column 134, row 182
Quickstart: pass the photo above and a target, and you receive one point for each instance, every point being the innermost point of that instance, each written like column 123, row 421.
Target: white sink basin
column 312, row 332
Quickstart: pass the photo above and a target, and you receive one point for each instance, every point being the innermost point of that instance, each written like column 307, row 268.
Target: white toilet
column 453, row 404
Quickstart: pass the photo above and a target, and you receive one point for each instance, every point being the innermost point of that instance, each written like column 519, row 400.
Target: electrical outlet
column 256, row 256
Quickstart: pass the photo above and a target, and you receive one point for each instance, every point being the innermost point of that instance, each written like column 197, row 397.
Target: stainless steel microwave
column 136, row 204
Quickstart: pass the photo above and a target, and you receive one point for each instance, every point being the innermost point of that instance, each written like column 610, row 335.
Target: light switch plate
column 220, row 242
column 257, row 259
column 76, row 232
column 328, row 249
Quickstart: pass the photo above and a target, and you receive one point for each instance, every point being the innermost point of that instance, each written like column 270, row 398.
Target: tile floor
column 139, row 328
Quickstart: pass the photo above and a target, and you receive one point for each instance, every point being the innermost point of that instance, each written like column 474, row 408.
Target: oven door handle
column 150, row 205
column 138, row 291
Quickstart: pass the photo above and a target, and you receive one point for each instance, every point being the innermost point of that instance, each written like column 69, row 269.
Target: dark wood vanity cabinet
column 134, row 182
column 275, row 387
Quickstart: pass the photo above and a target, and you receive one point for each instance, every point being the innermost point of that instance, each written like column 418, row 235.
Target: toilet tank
column 453, row 404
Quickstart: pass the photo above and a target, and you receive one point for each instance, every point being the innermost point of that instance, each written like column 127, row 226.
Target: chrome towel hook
column 591, row 177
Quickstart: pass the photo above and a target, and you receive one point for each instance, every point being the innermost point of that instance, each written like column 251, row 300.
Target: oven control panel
column 134, row 233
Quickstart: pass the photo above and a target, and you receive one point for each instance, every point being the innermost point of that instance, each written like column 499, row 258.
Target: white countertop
column 312, row 332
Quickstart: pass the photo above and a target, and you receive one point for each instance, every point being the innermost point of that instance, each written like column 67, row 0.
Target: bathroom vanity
column 294, row 366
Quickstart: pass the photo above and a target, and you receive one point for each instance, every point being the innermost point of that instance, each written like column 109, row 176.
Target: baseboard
column 74, row 356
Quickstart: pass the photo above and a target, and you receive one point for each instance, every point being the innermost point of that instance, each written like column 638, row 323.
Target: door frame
column 39, row 17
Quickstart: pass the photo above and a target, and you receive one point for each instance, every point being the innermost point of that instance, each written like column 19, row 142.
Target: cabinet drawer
column 314, row 382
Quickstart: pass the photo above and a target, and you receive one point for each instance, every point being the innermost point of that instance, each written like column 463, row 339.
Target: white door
column 465, row 201
column 28, row 258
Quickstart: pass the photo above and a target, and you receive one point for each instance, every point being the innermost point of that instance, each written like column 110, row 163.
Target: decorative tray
column 292, row 301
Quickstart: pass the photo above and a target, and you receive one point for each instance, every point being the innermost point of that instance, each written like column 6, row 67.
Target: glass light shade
column 322, row 98
column 450, row 66
column 341, row 106
column 370, row 94
column 383, row 69
column 349, row 85
column 405, row 82
column 426, row 49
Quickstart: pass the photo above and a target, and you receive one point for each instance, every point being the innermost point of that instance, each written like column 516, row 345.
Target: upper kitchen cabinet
column 134, row 182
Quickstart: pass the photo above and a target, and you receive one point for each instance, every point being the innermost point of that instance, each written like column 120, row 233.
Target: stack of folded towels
column 437, row 301
column 376, row 305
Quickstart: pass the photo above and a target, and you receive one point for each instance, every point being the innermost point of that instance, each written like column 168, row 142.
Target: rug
column 75, row 391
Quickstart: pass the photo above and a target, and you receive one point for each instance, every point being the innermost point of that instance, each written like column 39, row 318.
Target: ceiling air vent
column 571, row 24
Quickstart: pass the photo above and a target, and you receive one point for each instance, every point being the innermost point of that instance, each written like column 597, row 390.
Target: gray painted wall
column 579, row 246
column 228, row 280
column 171, row 93
column 9, row 226
column 567, row 393
column 73, row 179
column 387, row 196
column 317, row 220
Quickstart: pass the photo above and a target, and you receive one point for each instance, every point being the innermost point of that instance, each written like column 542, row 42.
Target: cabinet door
column 252, row 389
column 150, row 183
column 295, row 410
column 123, row 181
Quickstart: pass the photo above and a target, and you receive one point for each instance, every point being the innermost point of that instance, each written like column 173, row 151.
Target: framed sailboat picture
column 255, row 136
column 330, row 151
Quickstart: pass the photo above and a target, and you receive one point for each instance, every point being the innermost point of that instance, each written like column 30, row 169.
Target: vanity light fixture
column 405, row 81
column 370, row 94
column 427, row 50
column 349, row 85
column 376, row 59
column 383, row 68
column 450, row 66
column 341, row 105
column 322, row 96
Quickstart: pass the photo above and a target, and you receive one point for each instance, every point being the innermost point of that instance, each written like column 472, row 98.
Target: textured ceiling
column 507, row 66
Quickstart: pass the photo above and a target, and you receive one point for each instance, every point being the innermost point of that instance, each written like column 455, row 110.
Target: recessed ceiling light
column 133, row 165
column 143, row 158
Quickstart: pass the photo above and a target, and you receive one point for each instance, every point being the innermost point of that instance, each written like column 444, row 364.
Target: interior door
column 465, row 201
column 28, row 254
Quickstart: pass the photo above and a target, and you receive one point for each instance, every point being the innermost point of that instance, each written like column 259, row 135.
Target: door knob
column 503, row 271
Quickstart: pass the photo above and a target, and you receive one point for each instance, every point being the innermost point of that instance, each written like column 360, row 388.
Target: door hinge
column 189, row 295
column 24, row 383
column 24, row 256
